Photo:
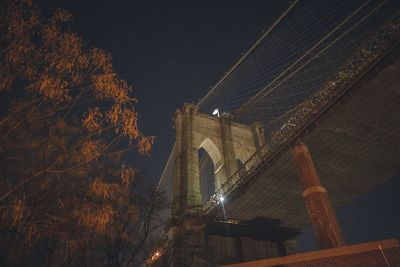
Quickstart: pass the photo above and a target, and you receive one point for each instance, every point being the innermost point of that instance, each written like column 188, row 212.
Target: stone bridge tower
column 226, row 143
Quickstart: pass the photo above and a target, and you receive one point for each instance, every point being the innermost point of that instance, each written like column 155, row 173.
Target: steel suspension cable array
column 306, row 24
column 304, row 113
column 312, row 54
column 264, row 35
column 270, row 87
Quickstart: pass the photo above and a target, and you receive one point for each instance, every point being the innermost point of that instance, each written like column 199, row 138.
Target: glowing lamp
column 216, row 112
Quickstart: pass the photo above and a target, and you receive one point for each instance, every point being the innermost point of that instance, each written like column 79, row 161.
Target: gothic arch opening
column 206, row 175
column 209, row 157
column 211, row 149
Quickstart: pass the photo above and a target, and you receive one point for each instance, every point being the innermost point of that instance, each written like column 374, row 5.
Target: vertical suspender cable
column 248, row 51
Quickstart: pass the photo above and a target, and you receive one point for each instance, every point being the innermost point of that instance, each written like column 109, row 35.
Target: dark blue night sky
column 173, row 51
column 170, row 51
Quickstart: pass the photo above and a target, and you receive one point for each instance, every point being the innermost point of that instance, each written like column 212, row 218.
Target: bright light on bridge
column 216, row 112
column 221, row 198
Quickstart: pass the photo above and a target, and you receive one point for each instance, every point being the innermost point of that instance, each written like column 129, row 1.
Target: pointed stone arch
column 225, row 141
column 208, row 145
column 216, row 156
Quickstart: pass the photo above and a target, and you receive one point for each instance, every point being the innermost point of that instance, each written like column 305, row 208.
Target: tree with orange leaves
column 66, row 120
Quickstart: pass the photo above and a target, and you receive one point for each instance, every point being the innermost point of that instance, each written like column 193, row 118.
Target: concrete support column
column 178, row 205
column 195, row 246
column 179, row 201
column 176, row 252
column 323, row 218
column 191, row 158
column 188, row 241
column 230, row 162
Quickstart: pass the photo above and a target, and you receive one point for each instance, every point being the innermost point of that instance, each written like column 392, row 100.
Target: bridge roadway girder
column 355, row 146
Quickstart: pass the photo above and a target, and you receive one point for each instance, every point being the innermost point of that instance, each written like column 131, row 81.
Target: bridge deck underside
column 355, row 147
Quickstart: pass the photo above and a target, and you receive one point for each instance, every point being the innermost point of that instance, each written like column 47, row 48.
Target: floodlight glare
column 221, row 198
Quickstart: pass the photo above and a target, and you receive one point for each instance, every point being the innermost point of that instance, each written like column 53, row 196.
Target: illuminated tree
column 66, row 121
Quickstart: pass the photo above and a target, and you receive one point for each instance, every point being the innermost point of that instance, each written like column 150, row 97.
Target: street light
column 216, row 112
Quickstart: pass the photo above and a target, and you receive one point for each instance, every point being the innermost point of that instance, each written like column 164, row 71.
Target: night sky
column 172, row 52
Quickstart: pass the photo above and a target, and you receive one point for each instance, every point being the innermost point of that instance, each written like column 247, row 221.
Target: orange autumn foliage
column 66, row 120
column 52, row 62
column 97, row 218
column 17, row 211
